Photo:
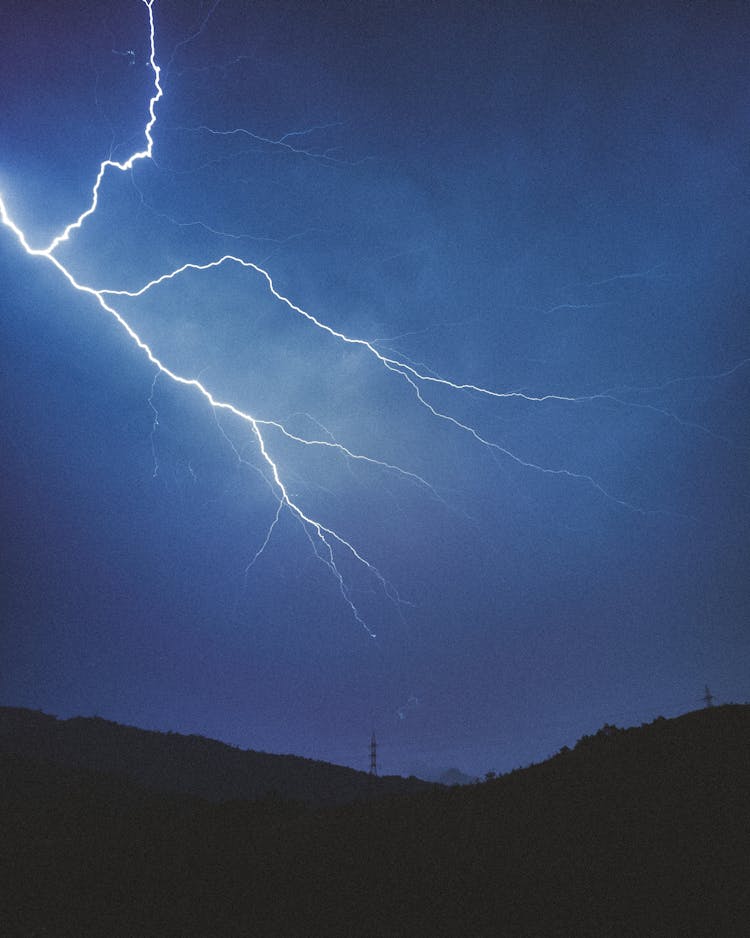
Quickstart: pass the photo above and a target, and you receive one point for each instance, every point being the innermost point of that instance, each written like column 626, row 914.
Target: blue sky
column 547, row 201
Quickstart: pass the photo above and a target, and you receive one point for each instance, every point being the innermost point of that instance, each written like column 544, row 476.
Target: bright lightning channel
column 325, row 541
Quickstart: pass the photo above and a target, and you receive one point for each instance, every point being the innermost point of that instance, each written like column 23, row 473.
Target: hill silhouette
column 194, row 765
column 637, row 832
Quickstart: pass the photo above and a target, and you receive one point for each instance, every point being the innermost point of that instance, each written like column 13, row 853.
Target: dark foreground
column 633, row 833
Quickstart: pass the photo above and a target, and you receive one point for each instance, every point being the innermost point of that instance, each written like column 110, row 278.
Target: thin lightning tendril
column 267, row 538
column 155, row 424
column 281, row 142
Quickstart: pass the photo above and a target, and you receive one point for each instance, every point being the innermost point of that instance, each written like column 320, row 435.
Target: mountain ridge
column 632, row 833
column 187, row 764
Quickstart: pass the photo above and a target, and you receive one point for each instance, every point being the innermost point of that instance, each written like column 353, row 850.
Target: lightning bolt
column 327, row 544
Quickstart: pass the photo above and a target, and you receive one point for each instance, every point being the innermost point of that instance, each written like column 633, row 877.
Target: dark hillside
column 639, row 832
column 170, row 762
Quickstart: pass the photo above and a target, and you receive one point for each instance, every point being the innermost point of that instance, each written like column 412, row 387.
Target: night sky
column 549, row 199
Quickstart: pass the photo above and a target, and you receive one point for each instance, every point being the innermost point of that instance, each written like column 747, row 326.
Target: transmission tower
column 708, row 697
column 373, row 754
